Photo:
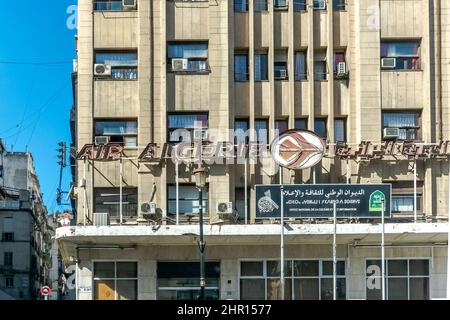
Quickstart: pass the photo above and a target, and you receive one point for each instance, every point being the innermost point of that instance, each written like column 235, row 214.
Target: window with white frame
column 124, row 132
column 406, row 279
column 188, row 199
column 179, row 280
column 304, row 280
column 189, row 57
column 115, row 280
column 124, row 64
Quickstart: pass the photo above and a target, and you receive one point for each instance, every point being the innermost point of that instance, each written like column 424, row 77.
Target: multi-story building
column 351, row 71
column 25, row 242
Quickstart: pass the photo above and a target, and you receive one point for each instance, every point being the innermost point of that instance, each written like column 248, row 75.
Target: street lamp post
column 200, row 182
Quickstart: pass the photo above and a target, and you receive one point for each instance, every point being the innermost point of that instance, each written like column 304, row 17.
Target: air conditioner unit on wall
column 391, row 133
column 388, row 63
column 282, row 74
column 224, row 208
column 179, row 64
column 200, row 135
column 129, row 4
column 148, row 208
column 102, row 70
column 99, row 140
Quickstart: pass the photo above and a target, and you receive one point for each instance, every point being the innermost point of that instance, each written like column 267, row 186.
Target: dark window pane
column 274, row 268
column 326, row 286
column 339, row 4
column 327, row 268
column 397, row 268
column 126, row 289
column 104, row 270
column 419, row 268
column 301, row 124
column 320, row 127
column 252, row 268
column 306, row 268
column 260, row 66
column 397, row 288
column 300, row 66
column 252, row 289
column 299, row 5
column 419, row 288
column 241, row 67
column 126, row 270
column 240, row 5
column 187, row 269
column 306, row 289
column 339, row 130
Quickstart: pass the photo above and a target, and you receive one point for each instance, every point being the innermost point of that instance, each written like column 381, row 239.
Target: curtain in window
column 117, row 58
column 300, row 65
column 241, row 67
column 188, row 121
column 115, row 127
column 240, row 5
column 403, row 204
column 398, row 120
column 261, row 72
column 339, row 130
column 260, row 5
column 261, row 130
column 188, row 51
column 399, row 49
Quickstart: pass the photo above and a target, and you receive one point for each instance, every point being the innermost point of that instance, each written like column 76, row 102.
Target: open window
column 401, row 125
column 118, row 131
column 116, row 65
column 400, row 55
column 190, row 57
column 280, row 66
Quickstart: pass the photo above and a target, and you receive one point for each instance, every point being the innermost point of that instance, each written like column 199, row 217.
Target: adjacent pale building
column 352, row 71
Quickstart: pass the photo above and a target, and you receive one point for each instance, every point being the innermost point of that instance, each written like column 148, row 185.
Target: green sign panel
column 376, row 201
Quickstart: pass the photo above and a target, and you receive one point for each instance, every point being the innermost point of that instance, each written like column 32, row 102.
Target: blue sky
column 35, row 99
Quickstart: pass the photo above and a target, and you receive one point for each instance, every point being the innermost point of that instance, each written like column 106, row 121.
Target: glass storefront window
column 115, row 280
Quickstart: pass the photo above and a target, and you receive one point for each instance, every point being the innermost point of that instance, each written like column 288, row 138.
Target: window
column 320, row 127
column 339, row 130
column 299, row 5
column 320, row 70
column 8, row 259
column 280, row 4
column 260, row 5
column 108, row 5
column 182, row 126
column 179, row 280
column 194, row 55
column 239, row 197
column 300, row 66
column 123, row 64
column 339, row 5
column 240, row 5
column 280, row 70
column 188, row 199
column 304, row 280
column 320, row 4
column 241, row 131
column 338, row 57
column 406, row 279
column 261, row 72
column 241, row 67
column 8, row 229
column 108, row 200
column 301, row 124
column 118, row 131
column 261, row 131
column 281, row 126
column 406, row 54
column 403, row 196
column 406, row 122
column 115, row 280
column 9, row 282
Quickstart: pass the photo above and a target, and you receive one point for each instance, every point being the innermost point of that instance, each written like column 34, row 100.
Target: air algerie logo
column 298, row 149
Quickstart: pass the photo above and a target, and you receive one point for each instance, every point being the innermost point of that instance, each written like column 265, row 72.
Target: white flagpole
column 448, row 239
column 84, row 194
column 120, row 191
column 383, row 267
column 282, row 243
column 334, row 251
column 177, row 203
column 415, row 191
column 245, row 192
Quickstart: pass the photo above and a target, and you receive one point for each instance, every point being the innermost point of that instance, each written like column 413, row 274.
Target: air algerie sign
column 316, row 200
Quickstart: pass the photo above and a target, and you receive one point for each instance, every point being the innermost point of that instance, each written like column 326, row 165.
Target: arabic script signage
column 316, row 200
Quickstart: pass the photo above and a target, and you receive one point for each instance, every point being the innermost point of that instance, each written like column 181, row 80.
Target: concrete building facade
column 349, row 70
column 26, row 237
